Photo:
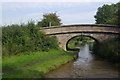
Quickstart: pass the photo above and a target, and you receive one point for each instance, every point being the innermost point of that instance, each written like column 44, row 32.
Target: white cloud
column 19, row 5
column 22, row 19
column 59, row 0
column 67, row 18
column 75, row 18
column 0, row 14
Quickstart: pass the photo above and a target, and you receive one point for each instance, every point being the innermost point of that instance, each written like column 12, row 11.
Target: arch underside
column 67, row 48
column 98, row 37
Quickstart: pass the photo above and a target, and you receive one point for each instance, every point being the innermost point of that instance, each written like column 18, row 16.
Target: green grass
column 45, row 61
column 21, row 60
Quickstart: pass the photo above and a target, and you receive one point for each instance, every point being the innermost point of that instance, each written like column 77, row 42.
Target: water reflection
column 86, row 66
column 84, row 57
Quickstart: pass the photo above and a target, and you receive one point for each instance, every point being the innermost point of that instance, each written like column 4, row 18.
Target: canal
column 86, row 66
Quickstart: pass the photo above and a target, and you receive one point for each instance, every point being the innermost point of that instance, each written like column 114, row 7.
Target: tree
column 108, row 14
column 50, row 19
column 118, row 13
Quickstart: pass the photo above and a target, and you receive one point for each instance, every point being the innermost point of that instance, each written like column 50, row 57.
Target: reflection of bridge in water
column 99, row 33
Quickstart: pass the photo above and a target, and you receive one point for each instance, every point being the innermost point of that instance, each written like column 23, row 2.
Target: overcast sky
column 72, row 12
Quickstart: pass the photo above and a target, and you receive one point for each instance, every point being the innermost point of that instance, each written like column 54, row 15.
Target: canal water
column 86, row 66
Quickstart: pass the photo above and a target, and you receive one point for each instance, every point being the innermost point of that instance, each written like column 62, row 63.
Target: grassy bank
column 34, row 65
column 30, row 53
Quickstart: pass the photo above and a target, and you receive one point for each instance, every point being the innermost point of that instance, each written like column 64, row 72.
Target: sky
column 70, row 12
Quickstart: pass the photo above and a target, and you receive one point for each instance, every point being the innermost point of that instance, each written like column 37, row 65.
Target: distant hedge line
column 17, row 39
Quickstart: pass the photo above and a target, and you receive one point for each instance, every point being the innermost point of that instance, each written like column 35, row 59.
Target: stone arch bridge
column 99, row 33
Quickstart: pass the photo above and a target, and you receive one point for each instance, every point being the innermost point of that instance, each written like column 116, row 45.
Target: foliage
column 118, row 13
column 49, row 18
column 25, row 38
column 77, row 41
column 109, row 50
column 108, row 14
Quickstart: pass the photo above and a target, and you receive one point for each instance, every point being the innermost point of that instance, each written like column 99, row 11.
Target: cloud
column 19, row 5
column 22, row 19
column 0, row 14
column 81, row 18
column 70, row 12
column 59, row 0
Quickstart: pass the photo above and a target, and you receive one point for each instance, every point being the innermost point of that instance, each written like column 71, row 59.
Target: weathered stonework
column 100, row 33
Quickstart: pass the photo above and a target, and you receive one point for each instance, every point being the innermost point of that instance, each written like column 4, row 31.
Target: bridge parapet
column 82, row 28
column 78, row 25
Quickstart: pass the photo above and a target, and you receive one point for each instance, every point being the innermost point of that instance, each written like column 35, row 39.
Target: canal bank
column 35, row 65
column 61, row 64
column 109, row 50
column 86, row 65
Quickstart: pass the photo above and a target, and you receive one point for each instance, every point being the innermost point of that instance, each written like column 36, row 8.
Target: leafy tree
column 50, row 18
column 118, row 4
column 108, row 14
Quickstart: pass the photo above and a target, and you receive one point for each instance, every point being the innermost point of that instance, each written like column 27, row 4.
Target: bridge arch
column 98, row 37
column 67, row 48
column 99, row 32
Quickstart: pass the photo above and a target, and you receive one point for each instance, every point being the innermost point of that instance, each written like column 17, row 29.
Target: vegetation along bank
column 110, row 50
column 29, row 53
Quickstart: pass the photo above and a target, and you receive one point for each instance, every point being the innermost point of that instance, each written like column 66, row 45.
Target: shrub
column 17, row 39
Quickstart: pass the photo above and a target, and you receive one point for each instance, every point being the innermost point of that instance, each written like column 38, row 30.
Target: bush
column 110, row 50
column 17, row 39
